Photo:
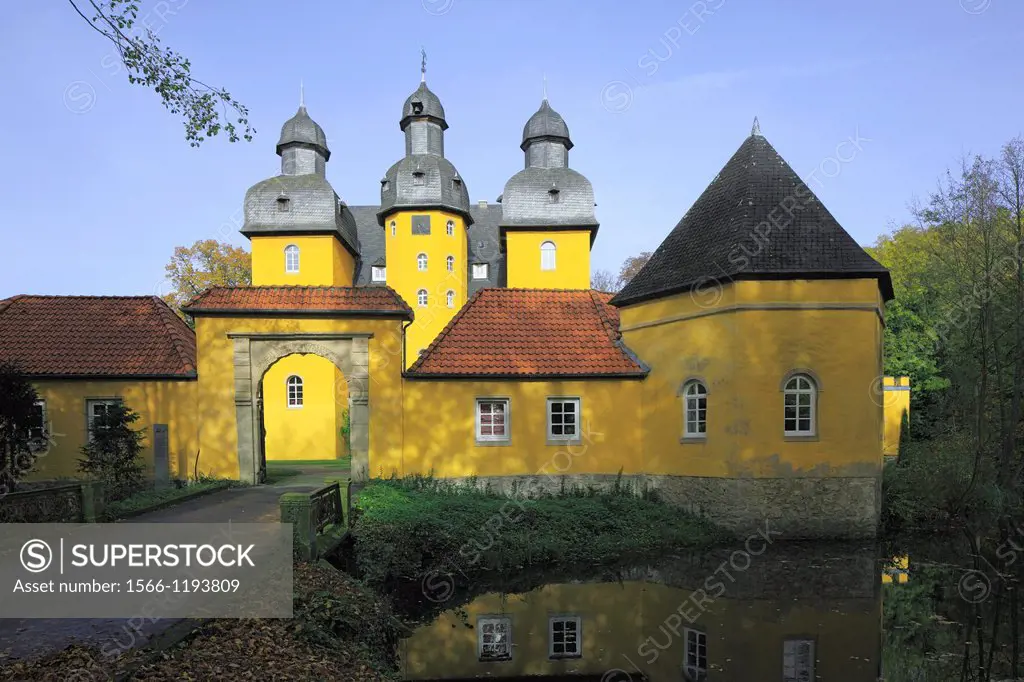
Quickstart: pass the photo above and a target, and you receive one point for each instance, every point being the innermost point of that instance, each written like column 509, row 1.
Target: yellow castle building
column 432, row 335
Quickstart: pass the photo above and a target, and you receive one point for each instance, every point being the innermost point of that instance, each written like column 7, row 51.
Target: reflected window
column 547, row 256
column 37, row 421
column 494, row 638
column 479, row 270
column 451, row 298
column 564, row 419
column 798, row 660
column 421, row 262
column 799, row 404
column 378, row 273
column 394, row 228
column 695, row 407
column 421, row 298
column 450, row 228
column 96, row 410
column 564, row 639
column 294, row 384
column 492, row 423
column 450, row 263
column 695, row 662
column 291, row 258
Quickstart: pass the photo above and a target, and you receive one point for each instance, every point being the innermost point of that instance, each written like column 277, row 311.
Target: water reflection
column 795, row 613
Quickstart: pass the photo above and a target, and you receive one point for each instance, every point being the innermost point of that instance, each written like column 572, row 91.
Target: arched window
column 294, row 385
column 800, row 406
column 421, row 262
column 451, row 298
column 421, row 298
column 450, row 262
column 291, row 258
column 394, row 228
column 450, row 227
column 547, row 256
column 695, row 410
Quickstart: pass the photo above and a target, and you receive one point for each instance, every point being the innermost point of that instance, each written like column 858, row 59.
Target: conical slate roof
column 546, row 123
column 423, row 102
column 756, row 220
column 300, row 128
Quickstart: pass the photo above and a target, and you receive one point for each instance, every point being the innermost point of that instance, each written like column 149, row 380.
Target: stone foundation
column 795, row 508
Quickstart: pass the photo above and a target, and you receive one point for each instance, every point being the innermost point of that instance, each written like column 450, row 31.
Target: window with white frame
column 421, row 298
column 421, row 262
column 492, row 419
column 450, row 263
column 547, row 256
column 378, row 273
column 494, row 638
column 798, row 660
column 450, row 296
column 564, row 419
column 479, row 270
column 564, row 640
column 695, row 409
column 294, row 385
column 450, row 228
column 695, row 662
column 394, row 228
column 96, row 409
column 37, row 431
column 291, row 258
column 799, row 402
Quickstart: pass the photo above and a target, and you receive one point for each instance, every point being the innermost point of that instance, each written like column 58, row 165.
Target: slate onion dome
column 423, row 178
column 301, row 129
column 547, row 192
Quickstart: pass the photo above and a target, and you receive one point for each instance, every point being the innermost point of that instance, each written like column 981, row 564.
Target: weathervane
column 423, row 65
column 302, row 94
column 545, row 87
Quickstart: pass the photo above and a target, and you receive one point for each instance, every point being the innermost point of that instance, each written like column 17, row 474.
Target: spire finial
column 423, row 65
column 545, row 87
column 755, row 130
column 302, row 94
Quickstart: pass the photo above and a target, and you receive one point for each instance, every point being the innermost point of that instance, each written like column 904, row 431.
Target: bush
column 406, row 528
column 17, row 412
column 112, row 454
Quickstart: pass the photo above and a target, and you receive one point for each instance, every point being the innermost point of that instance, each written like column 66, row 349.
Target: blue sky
column 99, row 185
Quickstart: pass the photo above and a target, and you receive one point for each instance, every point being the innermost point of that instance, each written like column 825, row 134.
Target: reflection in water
column 794, row 613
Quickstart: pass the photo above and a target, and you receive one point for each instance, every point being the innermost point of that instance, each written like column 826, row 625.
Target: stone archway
column 255, row 353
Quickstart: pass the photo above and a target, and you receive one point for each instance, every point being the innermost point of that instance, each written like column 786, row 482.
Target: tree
column 207, row 263
column 630, row 267
column 112, row 454
column 602, row 280
column 206, row 110
column 17, row 414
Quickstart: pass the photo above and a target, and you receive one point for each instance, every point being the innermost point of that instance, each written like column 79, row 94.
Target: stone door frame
column 254, row 353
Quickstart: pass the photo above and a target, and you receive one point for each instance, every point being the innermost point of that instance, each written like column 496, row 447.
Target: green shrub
column 113, row 453
column 405, row 528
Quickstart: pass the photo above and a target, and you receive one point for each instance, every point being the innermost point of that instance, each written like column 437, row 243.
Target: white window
column 294, row 384
column 695, row 663
column 450, row 263
column 450, row 227
column 37, row 431
column 479, row 270
column 97, row 409
column 492, row 422
column 800, row 406
column 695, row 410
column 451, row 298
column 494, row 638
column 798, row 660
column 421, row 262
column 394, row 228
column 547, row 256
column 291, row 258
column 421, row 298
column 564, row 419
column 378, row 273
column 564, row 639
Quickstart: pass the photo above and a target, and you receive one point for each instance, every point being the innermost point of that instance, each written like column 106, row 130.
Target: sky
column 869, row 102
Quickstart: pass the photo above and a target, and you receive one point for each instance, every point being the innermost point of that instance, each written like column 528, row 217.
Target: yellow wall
column 218, row 433
column 741, row 340
column 572, row 259
column 313, row 430
column 157, row 402
column 896, row 399
column 745, row 638
column 404, row 277
column 440, row 429
column 323, row 261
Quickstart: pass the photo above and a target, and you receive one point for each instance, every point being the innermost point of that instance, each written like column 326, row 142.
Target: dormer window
column 456, row 183
column 385, row 185
column 479, row 270
column 417, row 108
column 378, row 273
column 554, row 195
column 283, row 204
column 419, row 177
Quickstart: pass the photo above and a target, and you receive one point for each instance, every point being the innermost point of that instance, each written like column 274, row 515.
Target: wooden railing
column 326, row 509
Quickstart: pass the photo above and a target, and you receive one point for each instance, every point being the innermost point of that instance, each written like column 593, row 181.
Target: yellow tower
column 547, row 211
column 424, row 212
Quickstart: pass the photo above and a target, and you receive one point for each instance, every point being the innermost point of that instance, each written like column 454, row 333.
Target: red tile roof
column 300, row 299
column 96, row 336
column 531, row 333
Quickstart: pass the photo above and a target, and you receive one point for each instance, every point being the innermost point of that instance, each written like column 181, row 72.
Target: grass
column 339, row 464
column 407, row 528
column 153, row 497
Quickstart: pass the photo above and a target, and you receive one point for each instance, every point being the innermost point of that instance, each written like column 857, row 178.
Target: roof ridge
column 163, row 310
column 447, row 328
